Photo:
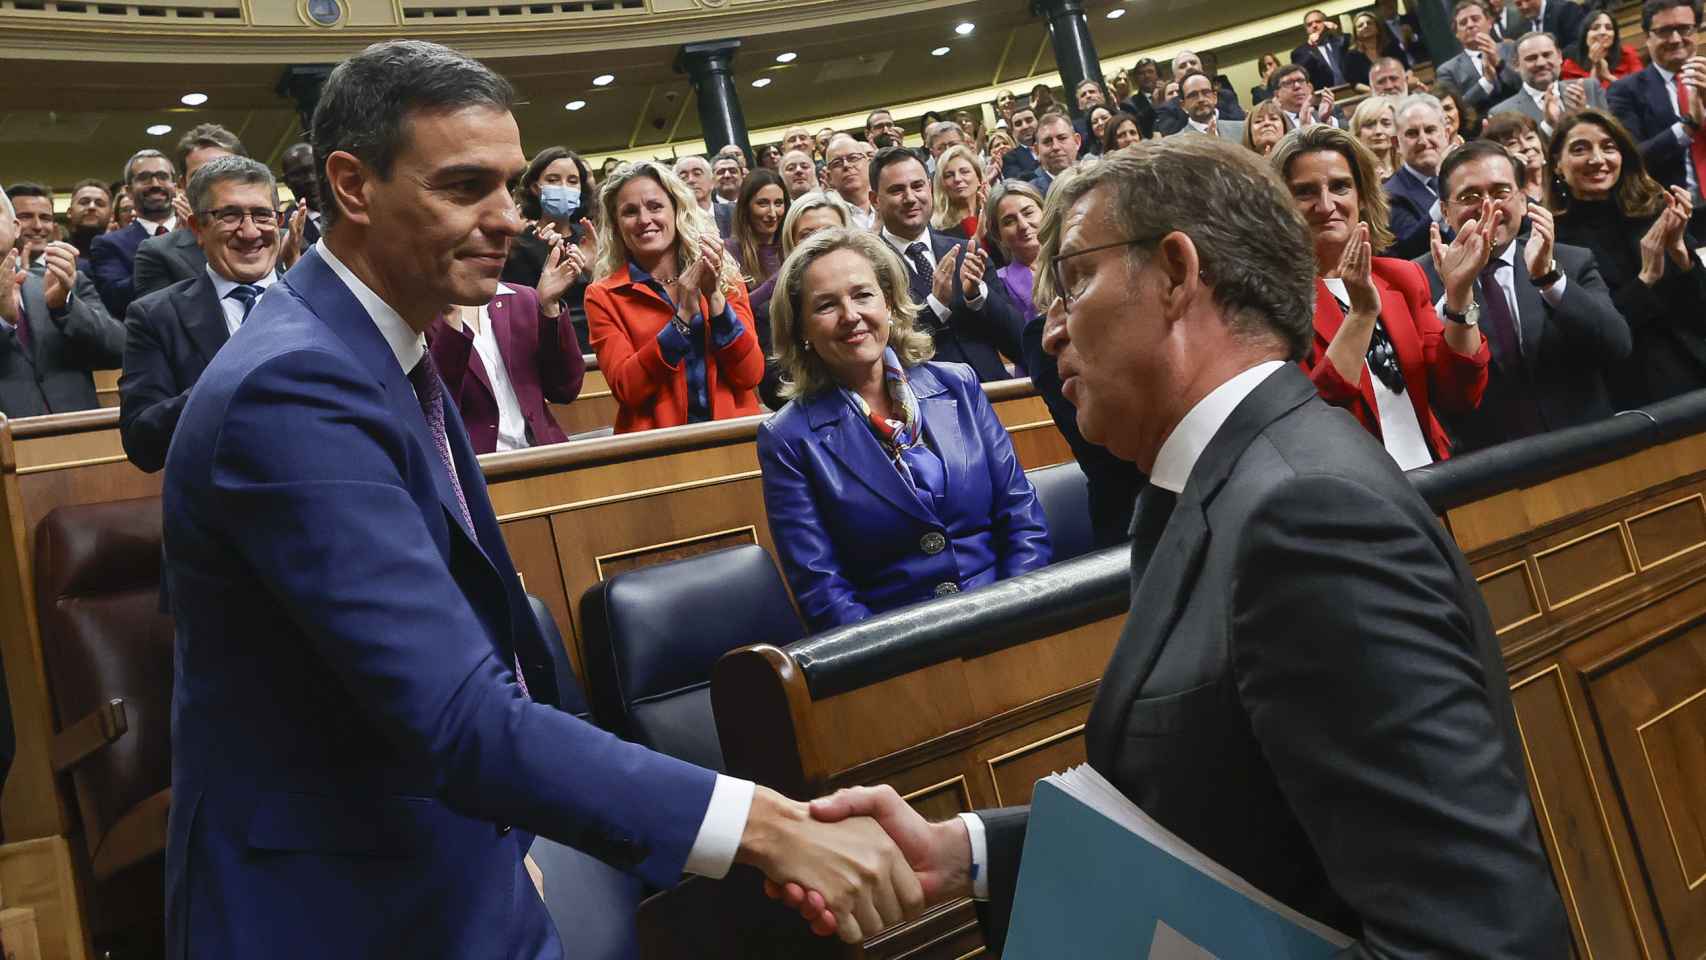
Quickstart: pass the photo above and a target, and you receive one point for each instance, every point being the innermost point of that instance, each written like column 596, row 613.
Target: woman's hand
column 1657, row 241
column 1356, row 269
column 562, row 268
column 1677, row 247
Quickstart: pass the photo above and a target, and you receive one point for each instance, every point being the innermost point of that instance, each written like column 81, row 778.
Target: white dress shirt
column 1202, row 127
column 1480, row 70
column 1680, row 129
column 937, row 307
column 865, row 218
column 232, row 308
column 1400, row 431
column 1539, row 97
column 1174, row 462
column 171, row 222
column 719, row 833
column 512, row 424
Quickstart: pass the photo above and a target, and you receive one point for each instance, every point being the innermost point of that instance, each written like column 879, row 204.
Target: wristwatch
column 1548, row 278
column 1468, row 318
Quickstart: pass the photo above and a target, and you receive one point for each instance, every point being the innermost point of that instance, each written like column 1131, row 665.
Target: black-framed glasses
column 1054, row 266
column 232, row 217
column 1681, row 31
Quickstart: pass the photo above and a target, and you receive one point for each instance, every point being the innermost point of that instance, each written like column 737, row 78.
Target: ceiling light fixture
column 574, row 105
column 604, row 80
column 965, row 28
column 761, row 82
column 1116, row 13
column 939, row 52
column 193, row 99
column 786, row 57
column 159, row 130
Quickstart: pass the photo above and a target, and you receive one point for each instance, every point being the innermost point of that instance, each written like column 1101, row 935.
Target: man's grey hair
column 6, row 209
column 144, row 154
column 1408, row 103
column 1183, row 53
column 691, row 159
column 939, row 128
column 1533, row 35
column 232, row 169
column 1388, row 63
column 1250, row 240
column 365, row 106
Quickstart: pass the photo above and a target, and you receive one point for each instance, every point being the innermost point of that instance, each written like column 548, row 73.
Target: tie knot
column 916, row 249
column 244, row 293
column 424, row 377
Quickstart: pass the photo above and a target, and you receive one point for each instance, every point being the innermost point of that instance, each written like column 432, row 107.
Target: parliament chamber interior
column 731, row 558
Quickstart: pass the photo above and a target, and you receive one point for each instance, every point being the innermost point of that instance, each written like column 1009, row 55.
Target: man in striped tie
column 172, row 334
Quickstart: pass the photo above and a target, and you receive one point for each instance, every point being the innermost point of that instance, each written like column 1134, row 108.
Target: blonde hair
column 948, row 212
column 803, row 372
column 806, row 203
column 1371, row 198
column 1366, row 113
column 691, row 223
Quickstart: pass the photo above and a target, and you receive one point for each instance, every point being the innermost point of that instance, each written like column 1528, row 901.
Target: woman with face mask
column 555, row 196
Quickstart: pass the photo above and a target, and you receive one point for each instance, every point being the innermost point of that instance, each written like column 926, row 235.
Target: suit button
column 947, row 588
column 932, row 543
column 504, row 829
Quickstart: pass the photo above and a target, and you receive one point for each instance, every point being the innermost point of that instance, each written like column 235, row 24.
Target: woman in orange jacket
column 668, row 314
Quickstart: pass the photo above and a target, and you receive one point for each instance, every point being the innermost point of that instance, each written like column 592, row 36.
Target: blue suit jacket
column 1642, row 104
column 1410, row 201
column 113, row 257
column 347, row 732
column 855, row 540
column 170, row 336
column 977, row 338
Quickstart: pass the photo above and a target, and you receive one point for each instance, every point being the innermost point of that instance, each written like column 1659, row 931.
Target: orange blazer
column 1434, row 374
column 623, row 319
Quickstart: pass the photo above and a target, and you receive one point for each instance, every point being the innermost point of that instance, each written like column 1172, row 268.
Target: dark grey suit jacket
column 1558, row 380
column 163, row 261
column 170, row 336
column 1523, row 104
column 1308, row 690
column 1459, row 74
column 53, row 376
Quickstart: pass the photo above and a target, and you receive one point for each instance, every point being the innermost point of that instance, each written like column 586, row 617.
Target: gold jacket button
column 932, row 543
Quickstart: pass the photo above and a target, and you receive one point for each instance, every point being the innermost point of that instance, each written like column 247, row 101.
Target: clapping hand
column 562, row 266
column 1575, row 96
column 1667, row 238
column 1356, row 269
column 290, row 242
column 1466, row 256
column 60, row 258
column 972, row 266
column 1681, row 207
column 942, row 281
column 1324, row 107
column 11, row 283
column 1537, row 254
column 181, row 209
column 1693, row 75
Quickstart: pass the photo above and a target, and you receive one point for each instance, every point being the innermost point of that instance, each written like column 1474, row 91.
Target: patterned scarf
column 896, row 436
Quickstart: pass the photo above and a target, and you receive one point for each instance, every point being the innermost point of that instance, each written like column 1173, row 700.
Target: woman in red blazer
column 668, row 314
column 1380, row 349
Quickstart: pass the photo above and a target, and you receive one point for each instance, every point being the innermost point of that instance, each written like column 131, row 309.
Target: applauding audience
column 1543, row 97
column 888, row 480
column 164, row 260
column 149, row 181
column 668, row 314
column 1599, row 52
column 555, row 195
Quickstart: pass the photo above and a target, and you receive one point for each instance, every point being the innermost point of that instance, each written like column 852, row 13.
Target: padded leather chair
column 651, row 636
column 107, row 650
column 1064, row 493
column 592, row 903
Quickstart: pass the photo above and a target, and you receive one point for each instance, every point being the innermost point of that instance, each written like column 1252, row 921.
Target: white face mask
column 557, row 201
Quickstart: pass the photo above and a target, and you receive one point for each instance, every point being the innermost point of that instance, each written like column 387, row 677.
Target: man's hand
column 290, row 243
column 1490, row 56
column 1537, row 254
column 11, row 287
column 1459, row 263
column 971, row 269
column 1575, row 96
column 1681, row 207
column 1693, row 75
column 942, row 281
column 181, row 210
column 1324, row 109
column 61, row 276
column 1552, row 108
column 863, row 883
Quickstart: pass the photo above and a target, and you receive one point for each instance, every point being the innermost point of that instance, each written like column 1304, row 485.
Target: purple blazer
column 539, row 367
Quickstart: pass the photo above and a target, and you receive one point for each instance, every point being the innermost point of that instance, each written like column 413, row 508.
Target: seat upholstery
column 568, row 687
column 1064, row 493
column 652, row 635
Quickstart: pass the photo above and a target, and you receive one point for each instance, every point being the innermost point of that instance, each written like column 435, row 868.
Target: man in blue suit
column 1412, row 191
column 350, row 729
column 149, row 177
column 1646, row 101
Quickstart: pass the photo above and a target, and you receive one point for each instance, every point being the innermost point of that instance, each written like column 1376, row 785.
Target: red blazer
column 539, row 365
column 623, row 320
column 1433, row 372
column 1627, row 62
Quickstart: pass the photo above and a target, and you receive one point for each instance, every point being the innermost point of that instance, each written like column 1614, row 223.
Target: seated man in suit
column 1413, row 191
column 968, row 325
column 1058, row 144
column 1561, row 18
column 1481, row 72
column 1295, row 94
column 149, row 178
column 1196, row 92
column 163, row 261
column 1021, row 162
column 1544, row 98
column 363, row 705
column 1647, row 103
column 1322, row 52
column 171, row 335
column 1170, row 117
column 50, row 337
column 1546, row 311
column 1308, row 689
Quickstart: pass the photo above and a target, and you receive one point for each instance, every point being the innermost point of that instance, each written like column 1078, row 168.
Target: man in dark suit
column 1058, row 144
column 944, row 278
column 383, row 717
column 1295, row 94
column 164, row 260
column 1546, row 311
column 1646, row 101
column 149, row 177
column 1481, row 72
column 297, row 172
column 1308, row 689
column 1020, row 163
column 1561, row 18
column 171, row 335
column 1322, row 52
column 50, row 337
column 1412, row 192
column 1170, row 117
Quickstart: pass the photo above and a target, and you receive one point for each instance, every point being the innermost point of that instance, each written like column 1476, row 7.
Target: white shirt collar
column 405, row 343
column 1184, row 446
column 1202, row 127
column 1667, row 76
column 1535, row 93
column 151, row 226
column 900, row 244
column 222, row 285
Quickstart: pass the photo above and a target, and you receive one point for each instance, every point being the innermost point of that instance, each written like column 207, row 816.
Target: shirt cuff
column 979, row 856
column 726, row 328
column 1555, row 292
column 720, row 832
column 1487, row 85
column 672, row 343
column 937, row 308
column 976, row 303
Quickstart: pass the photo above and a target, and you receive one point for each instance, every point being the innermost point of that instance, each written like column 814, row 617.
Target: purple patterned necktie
column 429, row 390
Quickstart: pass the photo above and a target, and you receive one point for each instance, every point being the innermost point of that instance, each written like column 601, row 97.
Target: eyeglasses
column 151, row 176
column 232, row 217
column 1474, row 198
column 1058, row 276
column 851, row 158
column 1681, row 31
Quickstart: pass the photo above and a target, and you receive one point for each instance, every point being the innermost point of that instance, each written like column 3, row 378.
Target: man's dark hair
column 203, row 136
column 888, row 157
column 28, row 188
column 364, row 108
column 1479, row 150
column 1462, row 5
column 92, row 182
column 1653, row 8
column 1278, row 76
column 1024, row 108
column 114, row 189
column 873, row 115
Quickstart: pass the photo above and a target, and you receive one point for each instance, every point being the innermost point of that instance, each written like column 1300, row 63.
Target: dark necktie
column 245, row 294
column 1500, row 323
column 429, row 390
column 922, row 274
column 1149, row 520
column 23, row 325
column 160, row 230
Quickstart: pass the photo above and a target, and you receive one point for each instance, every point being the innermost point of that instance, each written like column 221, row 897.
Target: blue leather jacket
column 853, row 537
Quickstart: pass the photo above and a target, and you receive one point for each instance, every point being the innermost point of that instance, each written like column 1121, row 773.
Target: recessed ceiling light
column 965, row 28
column 193, row 99
column 159, row 130
column 574, row 105
column 604, row 80
column 939, row 52
column 1116, row 13
column 761, row 82
column 786, row 57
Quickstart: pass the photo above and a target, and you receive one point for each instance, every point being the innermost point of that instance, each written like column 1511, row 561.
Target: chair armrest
column 88, row 736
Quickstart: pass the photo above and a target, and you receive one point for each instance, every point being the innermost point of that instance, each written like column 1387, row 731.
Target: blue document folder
column 1100, row 878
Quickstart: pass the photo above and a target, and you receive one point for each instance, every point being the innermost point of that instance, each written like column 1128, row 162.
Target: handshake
column 856, row 862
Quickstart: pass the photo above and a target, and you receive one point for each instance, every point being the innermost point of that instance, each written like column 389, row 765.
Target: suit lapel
column 1330, row 316
column 1531, row 310
column 850, row 442
column 941, row 415
column 204, row 317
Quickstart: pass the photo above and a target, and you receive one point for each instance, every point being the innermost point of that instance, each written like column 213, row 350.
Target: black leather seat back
column 652, row 635
column 569, row 694
column 1064, row 493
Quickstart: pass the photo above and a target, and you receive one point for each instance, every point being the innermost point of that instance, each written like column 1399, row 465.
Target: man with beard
column 148, row 175
column 164, row 261
column 881, row 130
column 91, row 211
column 1196, row 92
